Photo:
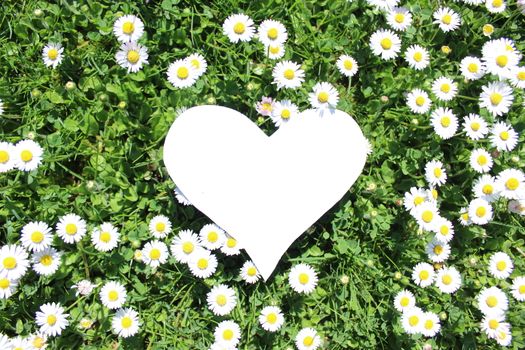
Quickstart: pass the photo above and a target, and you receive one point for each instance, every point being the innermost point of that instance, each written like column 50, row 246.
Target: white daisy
column 51, row 319
column 231, row 246
column 503, row 137
column 464, row 218
column 496, row 97
column 52, row 54
column 307, row 339
column 238, row 27
column 423, row 274
column 447, row 19
column 113, row 295
column 418, row 101
column 500, row 56
column 19, row 343
column 435, row 173
column 13, row 261
column 36, row 236
column 481, row 160
column 500, row 265
column 412, row 320
column 430, row 324
column 182, row 74
column 414, row 198
column 517, row 77
column 495, row 6
column 155, row 253
column 492, row 301
column 287, row 74
column 512, row 183
column 486, row 188
column 7, row 286
column 272, row 32
column 203, row 264
column 347, row 65
column 160, row 226
column 221, row 299
column 399, row 18
column 385, row 43
column 132, row 56
column 181, row 198
column 518, row 288
column 475, row 127
column 448, row 280
column 444, row 230
column 504, row 338
column 271, row 318
column 71, row 228
column 7, row 157
column 125, row 323
column 227, row 333
column 445, row 89
column 438, row 251
column 274, row 52
column 426, row 215
column 185, row 245
column 83, row 287
column 105, row 237
column 302, row 278
column 265, row 106
column 417, row 57
column 28, row 155
column 472, row 68
column 480, row 211
column 488, row 29
column 212, row 236
column 249, row 272
column 324, row 96
column 444, row 122
column 199, row 64
column 128, row 28
column 404, row 300
column 283, row 112
column 46, row 262
column 38, row 341
column 494, row 323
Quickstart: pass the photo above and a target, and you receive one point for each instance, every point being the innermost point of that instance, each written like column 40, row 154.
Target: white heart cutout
column 265, row 191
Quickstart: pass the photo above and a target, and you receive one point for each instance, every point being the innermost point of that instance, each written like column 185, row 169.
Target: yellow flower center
column 128, row 28
column 202, row 264
column 504, row 135
column 493, row 324
column 46, row 260
column 444, row 230
column 512, row 184
column 160, row 227
column 488, row 29
column 308, row 340
column 446, row 279
column 221, row 300
column 413, row 320
column 38, row 342
column 348, row 64
column 271, row 318
column 113, row 295
column 227, row 334
column 437, row 172
column 154, row 254
column 434, row 193
column 418, row 200
column 9, row 263
column 502, row 60
column 487, row 189
column 4, row 283
column 497, row 3
column 423, row 275
column 438, row 249
column 252, row 271
column 183, row 73
column 495, row 98
column 105, row 237
column 427, row 216
column 51, row 320
column 37, row 237
column 475, row 126
column 420, row 101
column 239, row 28
column 274, row 49
column 126, row 322
column 195, row 63
column 52, row 54
column 386, row 44
column 267, row 106
column 429, row 324
column 491, row 301
column 4, row 156
column 213, row 236
column 404, row 301
column 446, row 19
column 399, row 17
column 480, row 212
column 445, row 88
column 522, row 289
column 285, row 114
column 482, row 160
column 289, row 74
column 521, row 75
column 231, row 242
column 71, row 229
column 473, row 68
column 445, row 121
column 501, row 265
column 418, row 56
column 272, row 33
column 446, row 50
column 26, row 156
column 303, row 278
column 464, row 216
column 187, row 247
column 133, row 56
column 322, row 97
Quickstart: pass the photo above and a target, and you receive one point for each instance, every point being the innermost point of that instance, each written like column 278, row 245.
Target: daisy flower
column 500, row 56
column 444, row 122
column 404, row 300
column 13, row 261
column 412, row 320
column 516, row 207
column 426, row 215
column 238, row 27
column 249, row 272
column 128, row 28
column 105, row 237
column 385, row 43
column 181, row 198
column 274, row 52
column 414, row 198
column 417, row 57
column 221, row 299
column 272, row 32
column 71, row 228
column 430, row 324
column 28, row 155
column 182, row 74
column 347, row 65
column 302, row 278
column 444, row 230
column 51, row 319
column 435, row 174
column 445, row 89
column 212, row 236
column 52, row 54
column 7, row 156
column 271, row 318
column 324, row 96
column 160, row 226
column 486, row 188
column 495, row 6
column 307, row 339
column 438, row 251
column 287, row 74
column 518, row 288
column 231, row 246
column 38, row 341
column 227, row 333
column 418, row 101
column 481, row 160
column 36, row 236
column 185, row 245
column 464, row 218
column 113, row 295
column 125, row 323
column 46, row 261
column 155, row 253
column 423, row 275
column 198, row 63
column 475, row 127
column 19, row 343
column 503, row 137
column 488, row 29
column 448, row 280
column 132, row 56
column 472, row 68
column 203, row 264
column 83, row 287
column 496, row 97
column 492, row 324
column 504, row 337
column 480, row 211
column 492, row 301
column 500, row 265
column 7, row 286
column 265, row 106
column 447, row 19
column 517, row 77
column 512, row 184
column 283, row 112
column 399, row 18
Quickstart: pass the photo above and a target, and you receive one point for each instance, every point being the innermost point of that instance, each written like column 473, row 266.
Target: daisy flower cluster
column 132, row 56
column 413, row 319
column 26, row 155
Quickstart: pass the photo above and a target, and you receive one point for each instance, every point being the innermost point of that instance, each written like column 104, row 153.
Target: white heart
column 264, row 191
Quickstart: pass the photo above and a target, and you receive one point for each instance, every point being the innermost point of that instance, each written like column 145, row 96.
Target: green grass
column 103, row 161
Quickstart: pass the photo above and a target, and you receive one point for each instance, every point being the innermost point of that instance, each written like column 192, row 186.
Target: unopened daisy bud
column 371, row 186
column 398, row 275
column 427, row 347
column 122, row 104
column 211, row 100
column 90, row 184
column 384, row 99
column 260, row 120
column 35, row 93
column 438, row 266
column 136, row 243
column 399, row 202
column 138, row 255
column 443, row 316
column 495, row 153
column 38, row 12
column 373, row 213
column 415, row 121
column 344, row 279
column 103, row 97
column 85, row 323
column 488, row 29
column 31, row 135
column 84, row 9
column 250, row 86
column 70, row 85
column 446, row 50
column 370, row 263
column 477, row 283
column 515, row 159
column 473, row 261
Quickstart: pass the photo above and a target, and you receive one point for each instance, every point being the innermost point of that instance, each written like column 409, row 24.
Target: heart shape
column 264, row 191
